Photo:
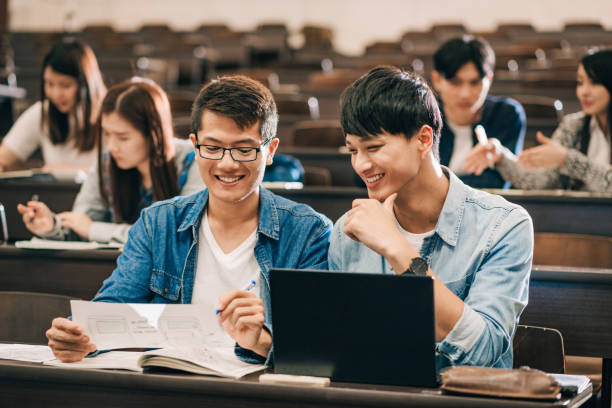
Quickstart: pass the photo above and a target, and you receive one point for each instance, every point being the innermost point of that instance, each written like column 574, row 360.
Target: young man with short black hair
column 421, row 219
column 205, row 247
column 462, row 76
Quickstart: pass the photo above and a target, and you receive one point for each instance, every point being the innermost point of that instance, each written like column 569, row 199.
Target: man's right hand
column 37, row 217
column 482, row 157
column 68, row 341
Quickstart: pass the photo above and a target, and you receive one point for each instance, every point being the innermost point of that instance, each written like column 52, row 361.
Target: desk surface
column 34, row 385
column 73, row 273
column 551, row 210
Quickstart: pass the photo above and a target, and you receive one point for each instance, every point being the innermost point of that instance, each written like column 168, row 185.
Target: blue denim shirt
column 481, row 250
column 158, row 263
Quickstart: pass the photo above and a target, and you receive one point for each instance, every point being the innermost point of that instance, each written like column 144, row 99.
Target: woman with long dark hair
column 139, row 162
column 62, row 123
column 578, row 155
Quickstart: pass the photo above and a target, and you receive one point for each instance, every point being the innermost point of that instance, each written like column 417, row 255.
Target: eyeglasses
column 239, row 154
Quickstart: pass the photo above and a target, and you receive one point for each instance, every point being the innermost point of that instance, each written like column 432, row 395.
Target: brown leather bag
column 522, row 382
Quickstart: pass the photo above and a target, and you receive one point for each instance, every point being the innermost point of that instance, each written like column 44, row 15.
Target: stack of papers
column 39, row 243
column 26, row 352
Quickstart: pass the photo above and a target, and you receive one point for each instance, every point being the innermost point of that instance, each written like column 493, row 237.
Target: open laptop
column 354, row 327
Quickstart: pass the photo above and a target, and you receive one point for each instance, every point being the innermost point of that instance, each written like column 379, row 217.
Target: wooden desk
column 570, row 212
column 551, row 211
column 578, row 303
column 74, row 273
column 33, row 385
column 331, row 201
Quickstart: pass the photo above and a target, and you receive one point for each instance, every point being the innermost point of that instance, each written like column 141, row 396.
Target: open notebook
column 197, row 359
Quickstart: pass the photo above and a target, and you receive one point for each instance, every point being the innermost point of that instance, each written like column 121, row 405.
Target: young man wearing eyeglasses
column 204, row 248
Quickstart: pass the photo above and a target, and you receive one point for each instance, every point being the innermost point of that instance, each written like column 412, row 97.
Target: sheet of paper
column 26, row 352
column 39, row 243
column 124, row 360
column 146, row 325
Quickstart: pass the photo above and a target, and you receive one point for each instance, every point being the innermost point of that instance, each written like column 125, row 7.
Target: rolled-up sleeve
column 496, row 298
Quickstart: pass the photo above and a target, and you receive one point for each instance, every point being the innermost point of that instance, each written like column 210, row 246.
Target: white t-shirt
column 415, row 240
column 461, row 148
column 218, row 272
column 27, row 135
column 599, row 145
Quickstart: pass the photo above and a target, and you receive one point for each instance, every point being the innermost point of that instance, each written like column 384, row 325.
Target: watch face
column 418, row 266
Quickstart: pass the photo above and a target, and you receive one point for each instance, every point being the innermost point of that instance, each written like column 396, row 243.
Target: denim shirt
column 158, row 263
column 481, row 250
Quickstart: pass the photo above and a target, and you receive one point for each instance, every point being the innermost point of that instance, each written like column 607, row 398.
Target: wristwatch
column 417, row 267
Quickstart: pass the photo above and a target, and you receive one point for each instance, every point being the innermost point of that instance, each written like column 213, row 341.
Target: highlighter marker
column 481, row 135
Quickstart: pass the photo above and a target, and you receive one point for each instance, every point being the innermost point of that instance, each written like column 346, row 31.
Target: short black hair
column 457, row 52
column 391, row 100
column 240, row 98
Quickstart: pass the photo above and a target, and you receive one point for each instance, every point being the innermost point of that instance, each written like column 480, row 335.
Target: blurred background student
column 462, row 76
column 62, row 123
column 139, row 162
column 577, row 157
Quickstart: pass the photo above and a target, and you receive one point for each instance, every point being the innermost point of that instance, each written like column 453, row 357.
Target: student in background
column 62, row 122
column 462, row 76
column 142, row 163
column 204, row 248
column 422, row 219
column 577, row 157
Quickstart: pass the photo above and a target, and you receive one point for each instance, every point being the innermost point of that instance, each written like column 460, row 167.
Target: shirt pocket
column 166, row 286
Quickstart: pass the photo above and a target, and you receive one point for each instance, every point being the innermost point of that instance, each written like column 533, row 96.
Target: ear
column 192, row 137
column 424, row 139
column 435, row 79
column 271, row 146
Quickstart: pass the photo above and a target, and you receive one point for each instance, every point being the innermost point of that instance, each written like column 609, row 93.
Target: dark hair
column 389, row 99
column 241, row 99
column 456, row 52
column 598, row 66
column 76, row 59
column 145, row 105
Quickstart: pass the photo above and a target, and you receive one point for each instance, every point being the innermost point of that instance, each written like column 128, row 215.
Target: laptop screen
column 354, row 327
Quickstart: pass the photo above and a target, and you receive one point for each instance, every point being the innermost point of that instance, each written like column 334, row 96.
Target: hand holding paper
column 68, row 341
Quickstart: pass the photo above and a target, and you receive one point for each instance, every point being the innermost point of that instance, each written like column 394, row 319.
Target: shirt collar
column 449, row 221
column 267, row 224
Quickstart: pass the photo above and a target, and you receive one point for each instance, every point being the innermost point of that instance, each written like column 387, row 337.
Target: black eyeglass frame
column 231, row 150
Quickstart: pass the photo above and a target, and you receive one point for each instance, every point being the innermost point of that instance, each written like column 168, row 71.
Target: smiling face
column 60, row 89
column 463, row 94
column 593, row 97
column 125, row 143
column 227, row 180
column 385, row 162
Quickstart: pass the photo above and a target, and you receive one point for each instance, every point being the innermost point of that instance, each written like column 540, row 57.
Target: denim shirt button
column 166, row 290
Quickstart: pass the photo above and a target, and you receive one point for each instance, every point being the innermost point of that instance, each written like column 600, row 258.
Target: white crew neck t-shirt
column 461, row 147
column 218, row 272
column 415, row 240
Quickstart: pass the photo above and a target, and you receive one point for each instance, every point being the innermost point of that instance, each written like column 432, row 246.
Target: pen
column 34, row 198
column 248, row 287
column 481, row 135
